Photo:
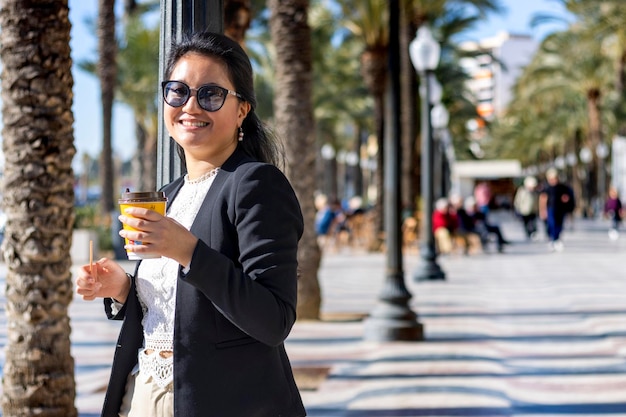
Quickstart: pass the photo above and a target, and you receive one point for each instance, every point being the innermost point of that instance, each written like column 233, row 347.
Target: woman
column 209, row 317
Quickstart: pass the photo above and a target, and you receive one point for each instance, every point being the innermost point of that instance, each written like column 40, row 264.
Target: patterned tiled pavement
column 523, row 333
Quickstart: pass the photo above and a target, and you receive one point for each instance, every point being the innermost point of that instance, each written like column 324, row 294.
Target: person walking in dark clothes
column 555, row 202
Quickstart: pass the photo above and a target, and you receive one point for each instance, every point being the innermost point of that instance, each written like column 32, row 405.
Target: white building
column 494, row 73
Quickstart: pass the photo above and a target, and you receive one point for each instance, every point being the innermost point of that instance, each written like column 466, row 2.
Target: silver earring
column 240, row 136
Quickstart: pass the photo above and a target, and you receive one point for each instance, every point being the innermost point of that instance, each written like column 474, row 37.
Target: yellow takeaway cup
column 152, row 200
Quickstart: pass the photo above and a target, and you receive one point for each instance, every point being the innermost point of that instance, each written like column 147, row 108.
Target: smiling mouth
column 194, row 124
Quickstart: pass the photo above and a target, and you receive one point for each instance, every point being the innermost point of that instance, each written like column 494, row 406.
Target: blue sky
column 517, row 17
column 86, row 108
column 87, row 112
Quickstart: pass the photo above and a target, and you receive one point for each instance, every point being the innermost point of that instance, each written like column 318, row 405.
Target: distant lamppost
column 352, row 175
column 340, row 174
column 559, row 162
column 602, row 151
column 571, row 161
column 586, row 156
column 439, row 116
column 330, row 182
column 424, row 52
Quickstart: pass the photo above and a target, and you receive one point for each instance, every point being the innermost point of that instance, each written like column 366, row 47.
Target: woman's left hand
column 154, row 234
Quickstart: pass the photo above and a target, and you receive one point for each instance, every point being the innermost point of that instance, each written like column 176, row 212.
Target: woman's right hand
column 105, row 278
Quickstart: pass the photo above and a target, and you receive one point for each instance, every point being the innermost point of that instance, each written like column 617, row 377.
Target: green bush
column 87, row 217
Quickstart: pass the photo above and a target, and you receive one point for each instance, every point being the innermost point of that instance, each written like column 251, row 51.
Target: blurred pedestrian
column 614, row 211
column 327, row 217
column 555, row 202
column 466, row 229
column 476, row 221
column 526, row 205
column 445, row 224
column 482, row 197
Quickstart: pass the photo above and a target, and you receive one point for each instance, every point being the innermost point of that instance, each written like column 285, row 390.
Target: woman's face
column 206, row 136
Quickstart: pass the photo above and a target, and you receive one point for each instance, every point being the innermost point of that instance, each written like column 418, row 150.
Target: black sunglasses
column 210, row 97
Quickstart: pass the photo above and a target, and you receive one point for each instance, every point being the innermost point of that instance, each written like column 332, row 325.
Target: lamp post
column 602, row 151
column 424, row 52
column 586, row 156
column 439, row 116
column 352, row 187
column 330, row 180
column 392, row 318
column 571, row 160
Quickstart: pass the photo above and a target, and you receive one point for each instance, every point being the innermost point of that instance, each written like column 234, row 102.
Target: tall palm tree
column 606, row 19
column 38, row 199
column 293, row 113
column 107, row 73
column 138, row 60
column 136, row 69
column 561, row 82
column 368, row 20
column 342, row 104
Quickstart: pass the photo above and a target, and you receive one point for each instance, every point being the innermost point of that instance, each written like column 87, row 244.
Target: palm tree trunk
column 374, row 72
column 107, row 72
column 38, row 376
column 237, row 16
column 293, row 111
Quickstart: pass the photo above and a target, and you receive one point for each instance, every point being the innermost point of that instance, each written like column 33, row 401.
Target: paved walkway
column 523, row 333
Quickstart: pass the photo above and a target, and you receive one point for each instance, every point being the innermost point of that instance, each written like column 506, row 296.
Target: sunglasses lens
column 175, row 93
column 211, row 97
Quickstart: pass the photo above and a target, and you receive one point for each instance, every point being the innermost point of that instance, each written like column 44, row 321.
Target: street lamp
column 602, row 151
column 439, row 116
column 424, row 52
column 330, row 185
column 586, row 156
column 571, row 161
column 392, row 317
column 352, row 187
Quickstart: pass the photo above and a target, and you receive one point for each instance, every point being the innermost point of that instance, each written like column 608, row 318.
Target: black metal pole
column 177, row 18
column 429, row 269
column 601, row 181
column 392, row 318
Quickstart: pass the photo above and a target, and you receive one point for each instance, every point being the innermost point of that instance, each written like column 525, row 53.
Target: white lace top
column 156, row 288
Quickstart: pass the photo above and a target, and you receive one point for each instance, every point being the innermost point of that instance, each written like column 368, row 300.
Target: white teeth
column 194, row 124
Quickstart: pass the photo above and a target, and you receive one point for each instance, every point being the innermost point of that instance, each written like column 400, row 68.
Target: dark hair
column 259, row 142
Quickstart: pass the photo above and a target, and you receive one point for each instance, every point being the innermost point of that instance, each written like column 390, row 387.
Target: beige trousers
column 443, row 240
column 146, row 399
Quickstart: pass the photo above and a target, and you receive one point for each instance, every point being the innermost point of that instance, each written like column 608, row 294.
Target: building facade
column 493, row 72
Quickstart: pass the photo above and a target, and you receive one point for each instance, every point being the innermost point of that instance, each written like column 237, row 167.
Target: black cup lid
column 143, row 196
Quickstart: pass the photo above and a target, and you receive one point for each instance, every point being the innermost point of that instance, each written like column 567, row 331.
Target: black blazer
column 235, row 306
